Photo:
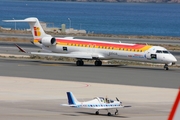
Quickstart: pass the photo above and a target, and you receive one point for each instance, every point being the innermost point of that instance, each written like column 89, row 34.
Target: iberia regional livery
column 95, row 50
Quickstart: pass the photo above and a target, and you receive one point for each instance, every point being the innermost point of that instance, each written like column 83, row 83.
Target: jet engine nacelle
column 48, row 41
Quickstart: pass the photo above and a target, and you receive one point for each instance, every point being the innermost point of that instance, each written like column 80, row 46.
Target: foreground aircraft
column 98, row 103
column 95, row 50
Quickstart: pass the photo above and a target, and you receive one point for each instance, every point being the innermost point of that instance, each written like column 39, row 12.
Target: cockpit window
column 162, row 51
column 158, row 51
column 166, row 52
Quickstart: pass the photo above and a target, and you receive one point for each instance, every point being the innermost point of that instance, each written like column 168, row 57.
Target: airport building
column 62, row 29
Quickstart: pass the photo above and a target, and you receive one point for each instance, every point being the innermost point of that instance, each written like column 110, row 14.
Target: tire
column 97, row 113
column 96, row 63
column 82, row 63
column 77, row 63
column 109, row 114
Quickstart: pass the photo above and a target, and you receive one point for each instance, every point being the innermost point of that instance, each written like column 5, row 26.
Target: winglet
column 22, row 50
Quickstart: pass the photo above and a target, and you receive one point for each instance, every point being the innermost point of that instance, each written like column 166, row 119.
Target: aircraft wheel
column 97, row 112
column 109, row 114
column 166, row 67
column 82, row 63
column 97, row 63
column 100, row 63
column 79, row 63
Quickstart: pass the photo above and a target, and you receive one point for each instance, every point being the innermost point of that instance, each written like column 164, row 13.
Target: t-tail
column 36, row 28
column 72, row 99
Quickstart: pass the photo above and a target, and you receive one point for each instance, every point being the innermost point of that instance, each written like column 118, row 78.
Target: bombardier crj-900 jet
column 98, row 103
column 95, row 50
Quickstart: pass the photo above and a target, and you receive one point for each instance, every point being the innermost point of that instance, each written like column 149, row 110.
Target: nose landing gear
column 116, row 112
column 166, row 67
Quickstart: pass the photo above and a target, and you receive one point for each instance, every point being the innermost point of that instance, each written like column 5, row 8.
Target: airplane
column 93, row 49
column 98, row 103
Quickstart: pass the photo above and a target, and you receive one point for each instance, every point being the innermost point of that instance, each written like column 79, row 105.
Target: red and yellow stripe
column 102, row 45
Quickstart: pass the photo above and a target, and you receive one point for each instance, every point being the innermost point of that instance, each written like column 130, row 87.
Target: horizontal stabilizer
column 25, row 20
column 35, row 26
column 68, row 105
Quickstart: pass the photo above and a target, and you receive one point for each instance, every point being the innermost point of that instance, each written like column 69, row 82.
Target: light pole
column 14, row 24
column 69, row 23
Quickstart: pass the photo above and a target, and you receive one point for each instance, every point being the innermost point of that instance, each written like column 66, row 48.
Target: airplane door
column 150, row 55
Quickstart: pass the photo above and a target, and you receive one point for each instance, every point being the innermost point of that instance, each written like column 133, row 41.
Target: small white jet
column 95, row 50
column 98, row 103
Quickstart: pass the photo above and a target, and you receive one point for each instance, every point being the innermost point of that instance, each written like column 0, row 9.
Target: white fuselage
column 112, row 51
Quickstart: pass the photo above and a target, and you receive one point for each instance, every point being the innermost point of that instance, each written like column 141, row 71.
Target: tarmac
column 27, row 99
column 32, row 89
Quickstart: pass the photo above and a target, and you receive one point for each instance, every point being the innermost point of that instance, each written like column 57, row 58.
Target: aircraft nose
column 173, row 59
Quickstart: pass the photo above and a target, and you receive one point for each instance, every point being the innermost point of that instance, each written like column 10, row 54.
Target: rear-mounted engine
column 47, row 41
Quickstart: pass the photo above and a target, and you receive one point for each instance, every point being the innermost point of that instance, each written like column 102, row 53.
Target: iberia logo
column 37, row 31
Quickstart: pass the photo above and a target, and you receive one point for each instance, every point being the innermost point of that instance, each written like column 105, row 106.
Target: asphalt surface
column 45, row 109
column 51, row 110
column 114, row 74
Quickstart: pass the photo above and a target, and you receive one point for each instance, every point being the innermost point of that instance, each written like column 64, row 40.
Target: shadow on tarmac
column 87, row 113
column 160, row 68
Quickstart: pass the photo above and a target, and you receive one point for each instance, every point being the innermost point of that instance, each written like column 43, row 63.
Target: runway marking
column 84, row 86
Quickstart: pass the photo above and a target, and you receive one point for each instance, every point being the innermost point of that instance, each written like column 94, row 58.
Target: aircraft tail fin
column 35, row 26
column 71, row 99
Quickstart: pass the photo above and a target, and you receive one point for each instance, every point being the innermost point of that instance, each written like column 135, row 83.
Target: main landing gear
column 97, row 112
column 166, row 67
column 109, row 114
column 80, row 62
column 98, row 63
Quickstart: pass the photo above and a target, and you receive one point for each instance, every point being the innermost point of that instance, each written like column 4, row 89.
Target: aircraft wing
column 82, row 55
column 108, row 107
